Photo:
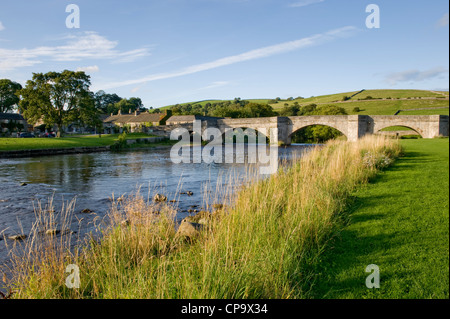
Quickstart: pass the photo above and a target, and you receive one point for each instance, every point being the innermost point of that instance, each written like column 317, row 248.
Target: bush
column 356, row 109
column 120, row 143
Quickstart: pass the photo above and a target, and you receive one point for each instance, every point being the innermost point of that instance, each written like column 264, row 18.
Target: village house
column 10, row 122
column 134, row 122
column 188, row 119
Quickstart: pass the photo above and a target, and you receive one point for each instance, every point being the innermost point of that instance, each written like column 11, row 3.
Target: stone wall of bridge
column 281, row 129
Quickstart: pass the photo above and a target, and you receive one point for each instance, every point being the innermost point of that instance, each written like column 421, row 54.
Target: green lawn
column 11, row 144
column 400, row 222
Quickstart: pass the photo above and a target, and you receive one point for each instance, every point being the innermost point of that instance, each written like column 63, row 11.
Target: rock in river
column 188, row 229
column 159, row 198
column 52, row 232
column 18, row 237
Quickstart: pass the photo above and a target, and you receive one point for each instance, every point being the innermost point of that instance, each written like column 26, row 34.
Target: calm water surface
column 92, row 179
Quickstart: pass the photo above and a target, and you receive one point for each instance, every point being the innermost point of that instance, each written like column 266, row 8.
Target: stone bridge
column 352, row 126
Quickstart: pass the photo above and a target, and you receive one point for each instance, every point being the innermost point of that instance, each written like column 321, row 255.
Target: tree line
column 62, row 98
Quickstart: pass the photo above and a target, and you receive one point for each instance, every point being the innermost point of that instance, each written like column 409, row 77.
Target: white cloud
column 214, row 85
column 247, row 56
column 137, row 88
column 415, row 75
column 89, row 69
column 89, row 45
column 443, row 22
column 2, row 27
column 304, row 3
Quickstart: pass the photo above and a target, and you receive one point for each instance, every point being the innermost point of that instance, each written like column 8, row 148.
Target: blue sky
column 174, row 51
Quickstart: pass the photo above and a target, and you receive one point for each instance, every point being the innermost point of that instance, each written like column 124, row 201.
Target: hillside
column 369, row 102
column 381, row 102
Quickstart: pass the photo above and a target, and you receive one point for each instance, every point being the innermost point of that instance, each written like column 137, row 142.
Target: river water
column 93, row 179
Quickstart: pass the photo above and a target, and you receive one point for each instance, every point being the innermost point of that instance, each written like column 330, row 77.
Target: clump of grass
column 262, row 245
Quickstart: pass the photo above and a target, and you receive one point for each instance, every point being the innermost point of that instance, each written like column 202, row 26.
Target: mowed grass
column 13, row 144
column 399, row 222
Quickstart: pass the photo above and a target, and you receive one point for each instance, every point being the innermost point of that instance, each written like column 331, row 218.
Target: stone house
column 7, row 119
column 135, row 122
column 188, row 119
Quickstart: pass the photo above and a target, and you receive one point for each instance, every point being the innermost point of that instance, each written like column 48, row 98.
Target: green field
column 393, row 94
column 385, row 102
column 379, row 107
column 12, row 144
column 399, row 222
column 426, row 112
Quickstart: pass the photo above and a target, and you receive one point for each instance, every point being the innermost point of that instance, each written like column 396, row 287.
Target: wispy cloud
column 89, row 69
column 416, row 75
column 304, row 3
column 88, row 45
column 443, row 22
column 214, row 85
column 2, row 27
column 247, row 56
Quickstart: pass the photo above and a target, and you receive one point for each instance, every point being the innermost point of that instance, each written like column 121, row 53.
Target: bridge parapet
column 280, row 129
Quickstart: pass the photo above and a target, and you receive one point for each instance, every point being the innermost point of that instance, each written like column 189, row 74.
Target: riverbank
column 17, row 144
column 31, row 147
column 263, row 246
column 400, row 222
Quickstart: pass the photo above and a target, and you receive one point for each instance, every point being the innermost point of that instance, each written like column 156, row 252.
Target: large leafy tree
column 56, row 98
column 8, row 97
column 105, row 101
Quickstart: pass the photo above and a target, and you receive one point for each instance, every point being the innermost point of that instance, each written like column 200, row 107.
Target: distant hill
column 203, row 102
column 369, row 102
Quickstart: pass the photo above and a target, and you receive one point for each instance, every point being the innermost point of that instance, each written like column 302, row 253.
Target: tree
column 137, row 102
column 125, row 106
column 318, row 133
column 8, row 97
column 56, row 98
column 105, row 102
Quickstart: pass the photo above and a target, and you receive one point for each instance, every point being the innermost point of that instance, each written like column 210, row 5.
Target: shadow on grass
column 340, row 272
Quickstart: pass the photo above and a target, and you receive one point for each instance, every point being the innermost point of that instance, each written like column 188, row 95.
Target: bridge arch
column 244, row 135
column 381, row 128
column 297, row 129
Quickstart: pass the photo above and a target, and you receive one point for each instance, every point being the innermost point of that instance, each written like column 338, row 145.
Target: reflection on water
column 93, row 178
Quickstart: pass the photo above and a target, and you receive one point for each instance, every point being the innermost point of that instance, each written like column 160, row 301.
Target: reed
column 263, row 244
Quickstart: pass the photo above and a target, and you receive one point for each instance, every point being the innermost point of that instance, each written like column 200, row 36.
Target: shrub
column 120, row 143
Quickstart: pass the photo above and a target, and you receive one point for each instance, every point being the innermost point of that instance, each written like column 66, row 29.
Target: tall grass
column 263, row 245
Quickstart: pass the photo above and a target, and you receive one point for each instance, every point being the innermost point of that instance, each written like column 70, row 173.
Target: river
column 92, row 179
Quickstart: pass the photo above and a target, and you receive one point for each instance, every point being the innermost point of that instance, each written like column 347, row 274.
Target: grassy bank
column 263, row 246
column 14, row 144
column 400, row 223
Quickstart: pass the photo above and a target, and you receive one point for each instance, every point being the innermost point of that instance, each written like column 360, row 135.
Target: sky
column 175, row 51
